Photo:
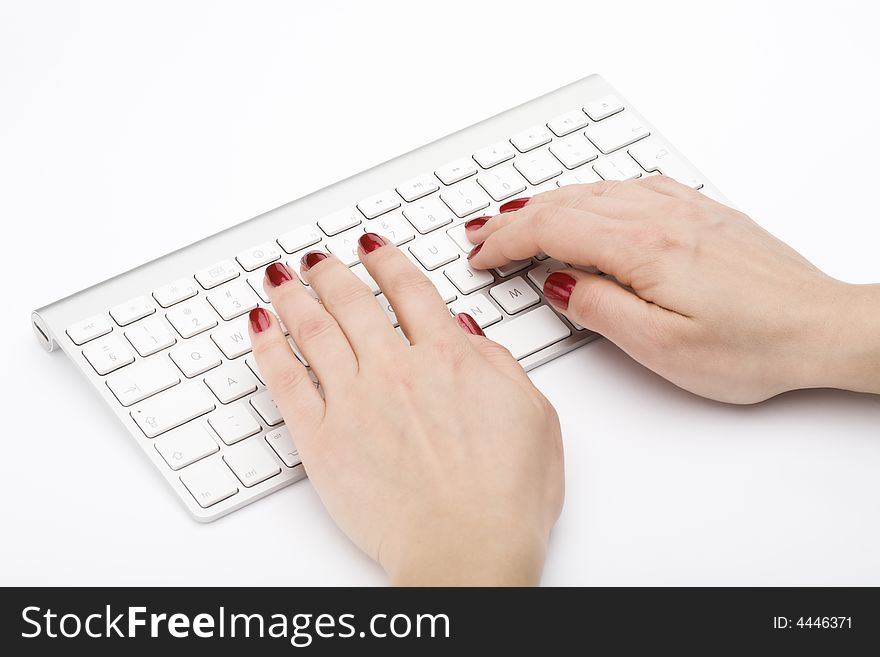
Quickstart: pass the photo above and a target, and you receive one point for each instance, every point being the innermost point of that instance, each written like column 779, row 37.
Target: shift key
column 172, row 408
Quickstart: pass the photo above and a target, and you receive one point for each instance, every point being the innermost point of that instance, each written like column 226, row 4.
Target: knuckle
column 349, row 292
column 409, row 281
column 312, row 328
column 587, row 301
column 289, row 379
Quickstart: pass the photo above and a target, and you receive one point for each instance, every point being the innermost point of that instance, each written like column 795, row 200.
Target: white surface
column 128, row 132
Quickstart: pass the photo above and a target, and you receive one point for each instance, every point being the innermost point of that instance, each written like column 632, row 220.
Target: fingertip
column 260, row 320
column 468, row 324
column 369, row 242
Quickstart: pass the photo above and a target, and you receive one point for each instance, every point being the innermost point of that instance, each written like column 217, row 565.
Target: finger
column 493, row 352
column 621, row 189
column 416, row 302
column 670, row 187
column 314, row 331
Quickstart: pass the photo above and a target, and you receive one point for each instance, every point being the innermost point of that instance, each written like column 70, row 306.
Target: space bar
column 529, row 333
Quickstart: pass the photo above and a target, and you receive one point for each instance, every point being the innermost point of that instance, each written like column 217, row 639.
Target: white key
column 495, row 154
column 579, row 177
column 394, row 227
column 142, row 380
column 428, row 214
column 209, row 482
column 279, row 439
column 186, row 445
column 574, row 151
column 233, row 338
column 458, row 234
column 233, row 423
column 150, row 335
column 252, row 462
column 457, row 170
column 345, row 246
column 531, row 332
column 435, row 251
column 132, row 310
column 619, row 166
column 108, row 353
column 255, row 280
column 445, row 288
column 379, row 204
column 603, row 107
column 233, row 300
column 266, row 407
column 299, row 238
column 465, row 198
column 567, row 123
column 361, row 272
column 654, row 155
column 389, row 311
column 513, row 267
column 515, row 295
column 531, row 138
column 538, row 167
column 339, row 221
column 192, row 318
column 616, row 132
column 195, row 357
column 232, row 381
column 479, row 307
column 172, row 408
column 502, row 182
column 467, row 280
column 418, row 187
column 540, row 273
column 175, row 292
column 218, row 273
column 258, row 256
column 89, row 329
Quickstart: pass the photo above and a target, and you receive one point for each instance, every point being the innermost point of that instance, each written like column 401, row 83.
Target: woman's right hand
column 703, row 295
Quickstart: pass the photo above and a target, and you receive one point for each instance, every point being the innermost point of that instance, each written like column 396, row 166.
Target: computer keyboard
column 166, row 345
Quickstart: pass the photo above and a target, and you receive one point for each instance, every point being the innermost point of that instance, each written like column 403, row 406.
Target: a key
column 502, row 182
column 195, row 357
column 209, row 482
column 579, row 177
column 233, row 300
column 603, row 107
column 531, row 332
column 232, row 381
column 619, row 166
column 574, row 151
column 654, row 155
column 435, row 251
column 467, row 280
column 479, row 307
column 345, row 246
column 267, row 409
column 389, row 311
column 465, row 198
column 191, row 318
column 279, row 439
column 255, row 280
column 89, row 329
column 428, row 214
column 567, row 123
column 495, row 154
column 339, row 221
column 258, row 256
column 142, row 380
column 418, row 187
column 532, row 138
column 132, row 310
column 514, row 295
column 175, row 292
column 361, row 272
column 233, row 423
column 150, row 335
column 393, row 226
column 379, row 204
column 616, row 132
column 299, row 238
column 252, row 462
column 186, row 445
column 108, row 353
column 538, row 167
column 171, row 408
column 512, row 267
column 458, row 170
column 233, row 338
column 218, row 273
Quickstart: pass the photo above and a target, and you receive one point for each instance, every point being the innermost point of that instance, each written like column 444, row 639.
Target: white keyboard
column 166, row 345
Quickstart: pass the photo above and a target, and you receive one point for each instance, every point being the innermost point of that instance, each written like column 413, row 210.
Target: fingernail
column 277, row 274
column 468, row 324
column 557, row 289
column 514, row 204
column 311, row 259
column 259, row 319
column 475, row 250
column 369, row 242
column 477, row 223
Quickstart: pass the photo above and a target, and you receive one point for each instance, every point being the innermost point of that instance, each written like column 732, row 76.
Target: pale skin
column 441, row 460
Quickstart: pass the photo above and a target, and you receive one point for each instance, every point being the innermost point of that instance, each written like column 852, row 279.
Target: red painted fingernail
column 259, row 319
column 558, row 288
column 369, row 242
column 468, row 324
column 277, row 274
column 514, row 204
column 477, row 223
column 311, row 259
column 475, row 250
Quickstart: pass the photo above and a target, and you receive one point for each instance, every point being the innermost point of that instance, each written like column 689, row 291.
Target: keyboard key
column 540, row 273
column 465, row 198
column 89, row 329
column 515, row 295
column 132, row 310
column 532, row 138
column 217, row 273
column 479, row 307
column 142, row 380
column 379, row 204
column 279, row 439
column 192, row 318
column 538, row 167
column 389, row 311
column 172, row 408
column 654, row 155
column 150, row 335
column 418, row 187
column 252, row 363
column 252, row 462
column 299, row 238
column 458, row 234
column 502, row 182
column 454, row 171
column 175, row 292
column 108, row 353
column 495, row 154
column 339, row 221
column 512, row 267
column 603, row 107
column 394, row 227
column 617, row 167
column 567, row 123
column 209, row 482
column 258, row 256
column 233, row 338
column 574, row 151
column 233, row 423
column 445, row 288
column 232, row 381
column 186, row 445
column 579, row 177
column 195, row 357
column 266, row 407
column 361, row 272
column 467, row 280
column 255, row 281
column 616, row 132
column 233, row 300
column 345, row 246
column 531, row 332
column 428, row 214
column 435, row 251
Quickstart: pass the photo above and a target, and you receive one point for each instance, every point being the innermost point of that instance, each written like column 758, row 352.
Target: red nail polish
column 514, row 204
column 475, row 250
column 311, row 259
column 558, row 288
column 277, row 274
column 369, row 242
column 468, row 324
column 259, row 319
column 477, row 223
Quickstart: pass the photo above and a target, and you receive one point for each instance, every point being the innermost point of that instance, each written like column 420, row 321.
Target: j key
column 394, row 227
column 467, row 280
column 435, row 251
column 186, row 445
column 479, row 307
column 279, row 439
column 299, row 238
column 616, row 132
column 209, row 482
column 172, row 408
column 502, row 182
column 339, row 221
column 379, row 204
column 567, row 123
column 233, row 338
column 361, row 272
column 108, row 353
column 654, row 155
column 267, row 408
column 89, row 329
column 619, row 166
column 428, row 214
column 574, row 151
column 233, row 423
column 345, row 246
column 132, row 310
column 252, row 462
column 191, row 318
column 232, row 381
column 538, row 167
column 465, row 198
column 603, row 107
column 579, row 177
column 175, row 292
column 455, row 171
column 458, row 234
column 142, row 380
column 258, row 256
column 531, row 138
column 233, row 300
column 494, row 154
column 389, row 311
column 150, row 335
column 418, row 187
column 217, row 273
column 512, row 267
column 531, row 332
column 195, row 357
column 515, row 295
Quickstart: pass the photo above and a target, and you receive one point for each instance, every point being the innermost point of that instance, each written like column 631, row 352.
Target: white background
column 130, row 129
